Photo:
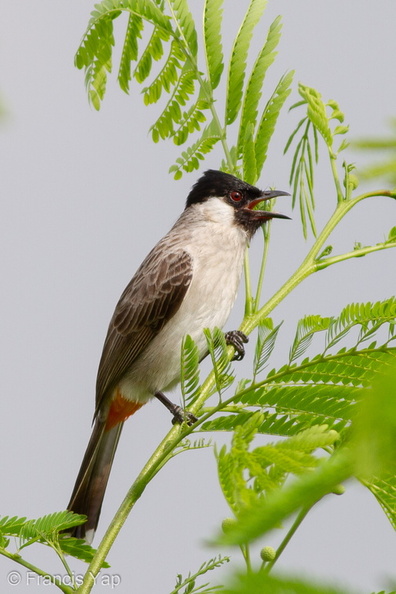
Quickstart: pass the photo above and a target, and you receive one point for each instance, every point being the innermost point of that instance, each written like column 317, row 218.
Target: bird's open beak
column 265, row 215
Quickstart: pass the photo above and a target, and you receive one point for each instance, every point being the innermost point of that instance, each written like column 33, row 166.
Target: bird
column 187, row 283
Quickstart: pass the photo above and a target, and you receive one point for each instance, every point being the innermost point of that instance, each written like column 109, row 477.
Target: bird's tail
column 90, row 487
column 91, row 483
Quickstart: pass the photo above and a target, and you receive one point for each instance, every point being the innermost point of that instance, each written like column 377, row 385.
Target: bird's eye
column 236, row 196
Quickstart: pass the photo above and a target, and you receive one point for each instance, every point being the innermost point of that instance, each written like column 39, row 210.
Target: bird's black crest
column 218, row 183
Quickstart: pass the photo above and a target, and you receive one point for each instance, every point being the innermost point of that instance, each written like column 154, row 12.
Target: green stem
column 325, row 262
column 287, row 538
column 333, row 163
column 260, row 282
column 248, row 285
column 152, row 467
column 246, row 555
column 310, row 263
column 18, row 559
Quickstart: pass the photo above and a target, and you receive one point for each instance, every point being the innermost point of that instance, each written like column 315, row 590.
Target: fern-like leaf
column 306, row 328
column 189, row 582
column 369, row 316
column 213, row 13
column 249, row 156
column 191, row 121
column 255, row 83
column 186, row 24
column 167, row 77
column 189, row 369
column 172, row 114
column 247, row 475
column 269, row 118
column 384, row 490
column 129, row 50
column 47, row 527
column 192, row 156
column 237, row 67
column 11, row 526
column 217, row 348
column 154, row 50
column 302, row 173
column 79, row 549
column 317, row 112
column 267, row 335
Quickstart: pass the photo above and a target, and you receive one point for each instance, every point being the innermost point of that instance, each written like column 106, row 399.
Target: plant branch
column 325, row 262
column 54, row 580
column 297, row 522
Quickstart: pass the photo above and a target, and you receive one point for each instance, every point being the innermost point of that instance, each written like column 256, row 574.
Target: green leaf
column 237, row 67
column 301, row 493
column 192, row 156
column 317, row 112
column 369, row 316
column 267, row 335
column 167, row 78
column 269, row 118
column 191, row 121
column 11, row 526
column 246, row 476
column 306, row 328
column 185, row 23
column 172, row 114
column 189, row 582
column 47, row 527
column 255, row 83
column 130, row 50
column 213, row 14
column 79, row 549
column 249, row 156
column 263, row 583
column 189, row 369
column 217, row 348
column 384, row 490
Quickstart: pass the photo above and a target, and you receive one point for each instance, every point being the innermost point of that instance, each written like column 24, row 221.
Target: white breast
column 217, row 248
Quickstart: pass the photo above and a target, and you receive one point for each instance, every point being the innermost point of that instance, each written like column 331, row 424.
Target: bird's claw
column 237, row 339
column 182, row 416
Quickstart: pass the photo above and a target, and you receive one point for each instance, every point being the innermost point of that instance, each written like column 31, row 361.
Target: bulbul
column 188, row 282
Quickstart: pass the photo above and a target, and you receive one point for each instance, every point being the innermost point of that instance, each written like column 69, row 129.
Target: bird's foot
column 179, row 414
column 237, row 339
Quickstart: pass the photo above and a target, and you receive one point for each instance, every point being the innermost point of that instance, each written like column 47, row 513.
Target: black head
column 240, row 195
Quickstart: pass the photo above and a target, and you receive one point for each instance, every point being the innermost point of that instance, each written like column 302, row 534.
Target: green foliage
column 321, row 389
column 248, row 476
column 319, row 120
column 217, row 348
column 267, row 335
column 173, row 46
column 189, row 370
column 300, row 494
column 213, row 14
column 266, row 126
column 237, row 67
column 254, row 87
column 261, row 583
column 368, row 455
column 188, row 585
column 48, row 530
column 302, row 173
column 377, row 419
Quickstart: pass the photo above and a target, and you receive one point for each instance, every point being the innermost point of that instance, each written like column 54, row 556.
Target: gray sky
column 84, row 196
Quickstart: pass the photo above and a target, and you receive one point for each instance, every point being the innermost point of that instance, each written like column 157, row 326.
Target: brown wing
column 152, row 297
